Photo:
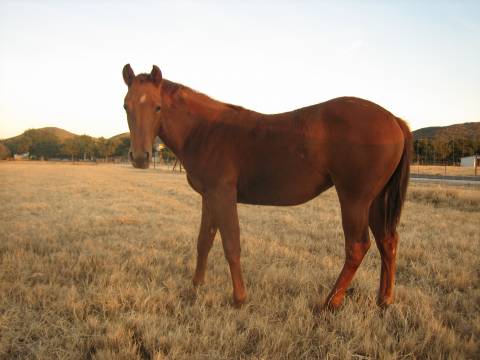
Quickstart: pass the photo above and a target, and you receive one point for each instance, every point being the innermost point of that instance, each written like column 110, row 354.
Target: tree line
column 444, row 149
column 43, row 144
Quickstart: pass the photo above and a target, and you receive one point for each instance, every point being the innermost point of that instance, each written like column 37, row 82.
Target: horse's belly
column 282, row 191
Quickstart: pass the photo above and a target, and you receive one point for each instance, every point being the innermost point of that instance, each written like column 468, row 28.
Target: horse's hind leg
column 357, row 243
column 387, row 245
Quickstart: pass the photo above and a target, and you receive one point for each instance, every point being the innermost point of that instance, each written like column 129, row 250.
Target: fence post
column 453, row 152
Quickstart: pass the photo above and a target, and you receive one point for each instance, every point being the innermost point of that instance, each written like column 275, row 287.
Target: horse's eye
column 157, row 109
column 125, row 106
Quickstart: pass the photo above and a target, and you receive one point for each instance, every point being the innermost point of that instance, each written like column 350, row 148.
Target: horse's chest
column 195, row 183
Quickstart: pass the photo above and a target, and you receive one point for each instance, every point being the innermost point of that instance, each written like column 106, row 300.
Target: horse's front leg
column 224, row 207
column 208, row 229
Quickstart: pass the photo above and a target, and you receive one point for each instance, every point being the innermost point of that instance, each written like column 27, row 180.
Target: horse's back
column 344, row 141
column 289, row 158
column 355, row 121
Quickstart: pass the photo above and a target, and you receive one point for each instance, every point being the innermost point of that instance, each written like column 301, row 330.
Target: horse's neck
column 194, row 115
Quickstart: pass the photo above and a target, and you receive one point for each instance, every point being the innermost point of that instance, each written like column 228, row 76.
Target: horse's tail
column 395, row 190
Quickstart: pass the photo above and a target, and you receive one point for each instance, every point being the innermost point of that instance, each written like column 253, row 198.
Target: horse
column 234, row 155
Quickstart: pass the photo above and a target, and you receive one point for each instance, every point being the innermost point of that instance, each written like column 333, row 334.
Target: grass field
column 444, row 170
column 96, row 263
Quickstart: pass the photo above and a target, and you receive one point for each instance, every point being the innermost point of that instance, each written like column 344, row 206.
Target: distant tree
column 421, row 150
column 123, row 147
column 45, row 145
column 11, row 145
column 168, row 155
column 468, row 147
column 106, row 147
column 38, row 142
column 86, row 146
column 476, row 143
column 19, row 144
column 4, row 151
column 24, row 144
column 441, row 146
column 101, row 147
column 70, row 148
column 111, row 147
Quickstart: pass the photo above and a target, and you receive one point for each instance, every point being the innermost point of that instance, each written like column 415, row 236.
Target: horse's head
column 143, row 104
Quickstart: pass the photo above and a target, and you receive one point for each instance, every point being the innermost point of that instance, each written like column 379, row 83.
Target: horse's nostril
column 130, row 155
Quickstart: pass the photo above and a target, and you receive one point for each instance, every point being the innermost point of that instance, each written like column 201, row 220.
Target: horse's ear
column 128, row 75
column 156, row 75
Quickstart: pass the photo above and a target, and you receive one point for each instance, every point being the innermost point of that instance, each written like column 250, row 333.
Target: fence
column 443, row 157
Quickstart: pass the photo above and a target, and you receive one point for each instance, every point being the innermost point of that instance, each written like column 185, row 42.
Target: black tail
column 395, row 191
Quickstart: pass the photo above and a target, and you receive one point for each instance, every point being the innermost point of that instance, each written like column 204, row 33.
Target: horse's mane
column 173, row 88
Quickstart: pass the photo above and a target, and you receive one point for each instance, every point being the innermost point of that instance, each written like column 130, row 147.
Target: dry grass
column 449, row 197
column 96, row 262
column 444, row 170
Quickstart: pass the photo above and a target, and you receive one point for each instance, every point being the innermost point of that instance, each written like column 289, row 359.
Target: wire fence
column 457, row 157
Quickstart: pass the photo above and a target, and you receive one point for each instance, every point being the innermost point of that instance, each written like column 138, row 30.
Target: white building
column 469, row 161
column 21, row 156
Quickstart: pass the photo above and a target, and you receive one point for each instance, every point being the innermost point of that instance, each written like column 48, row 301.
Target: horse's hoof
column 331, row 307
column 384, row 302
column 318, row 308
column 198, row 282
column 238, row 302
column 333, row 303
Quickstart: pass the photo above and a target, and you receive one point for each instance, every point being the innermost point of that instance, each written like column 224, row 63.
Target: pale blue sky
column 61, row 61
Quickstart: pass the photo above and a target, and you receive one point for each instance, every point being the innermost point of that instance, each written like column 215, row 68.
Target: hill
column 53, row 142
column 61, row 134
column 427, row 132
column 467, row 131
column 120, row 136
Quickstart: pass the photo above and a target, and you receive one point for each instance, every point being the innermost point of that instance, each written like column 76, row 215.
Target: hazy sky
column 61, row 61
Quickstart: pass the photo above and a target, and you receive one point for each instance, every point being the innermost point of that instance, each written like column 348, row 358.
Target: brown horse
column 234, row 155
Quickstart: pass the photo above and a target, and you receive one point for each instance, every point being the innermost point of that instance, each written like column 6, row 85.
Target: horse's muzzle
column 140, row 160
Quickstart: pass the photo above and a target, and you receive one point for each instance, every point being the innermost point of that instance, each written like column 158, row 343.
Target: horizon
column 61, row 63
column 127, row 132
